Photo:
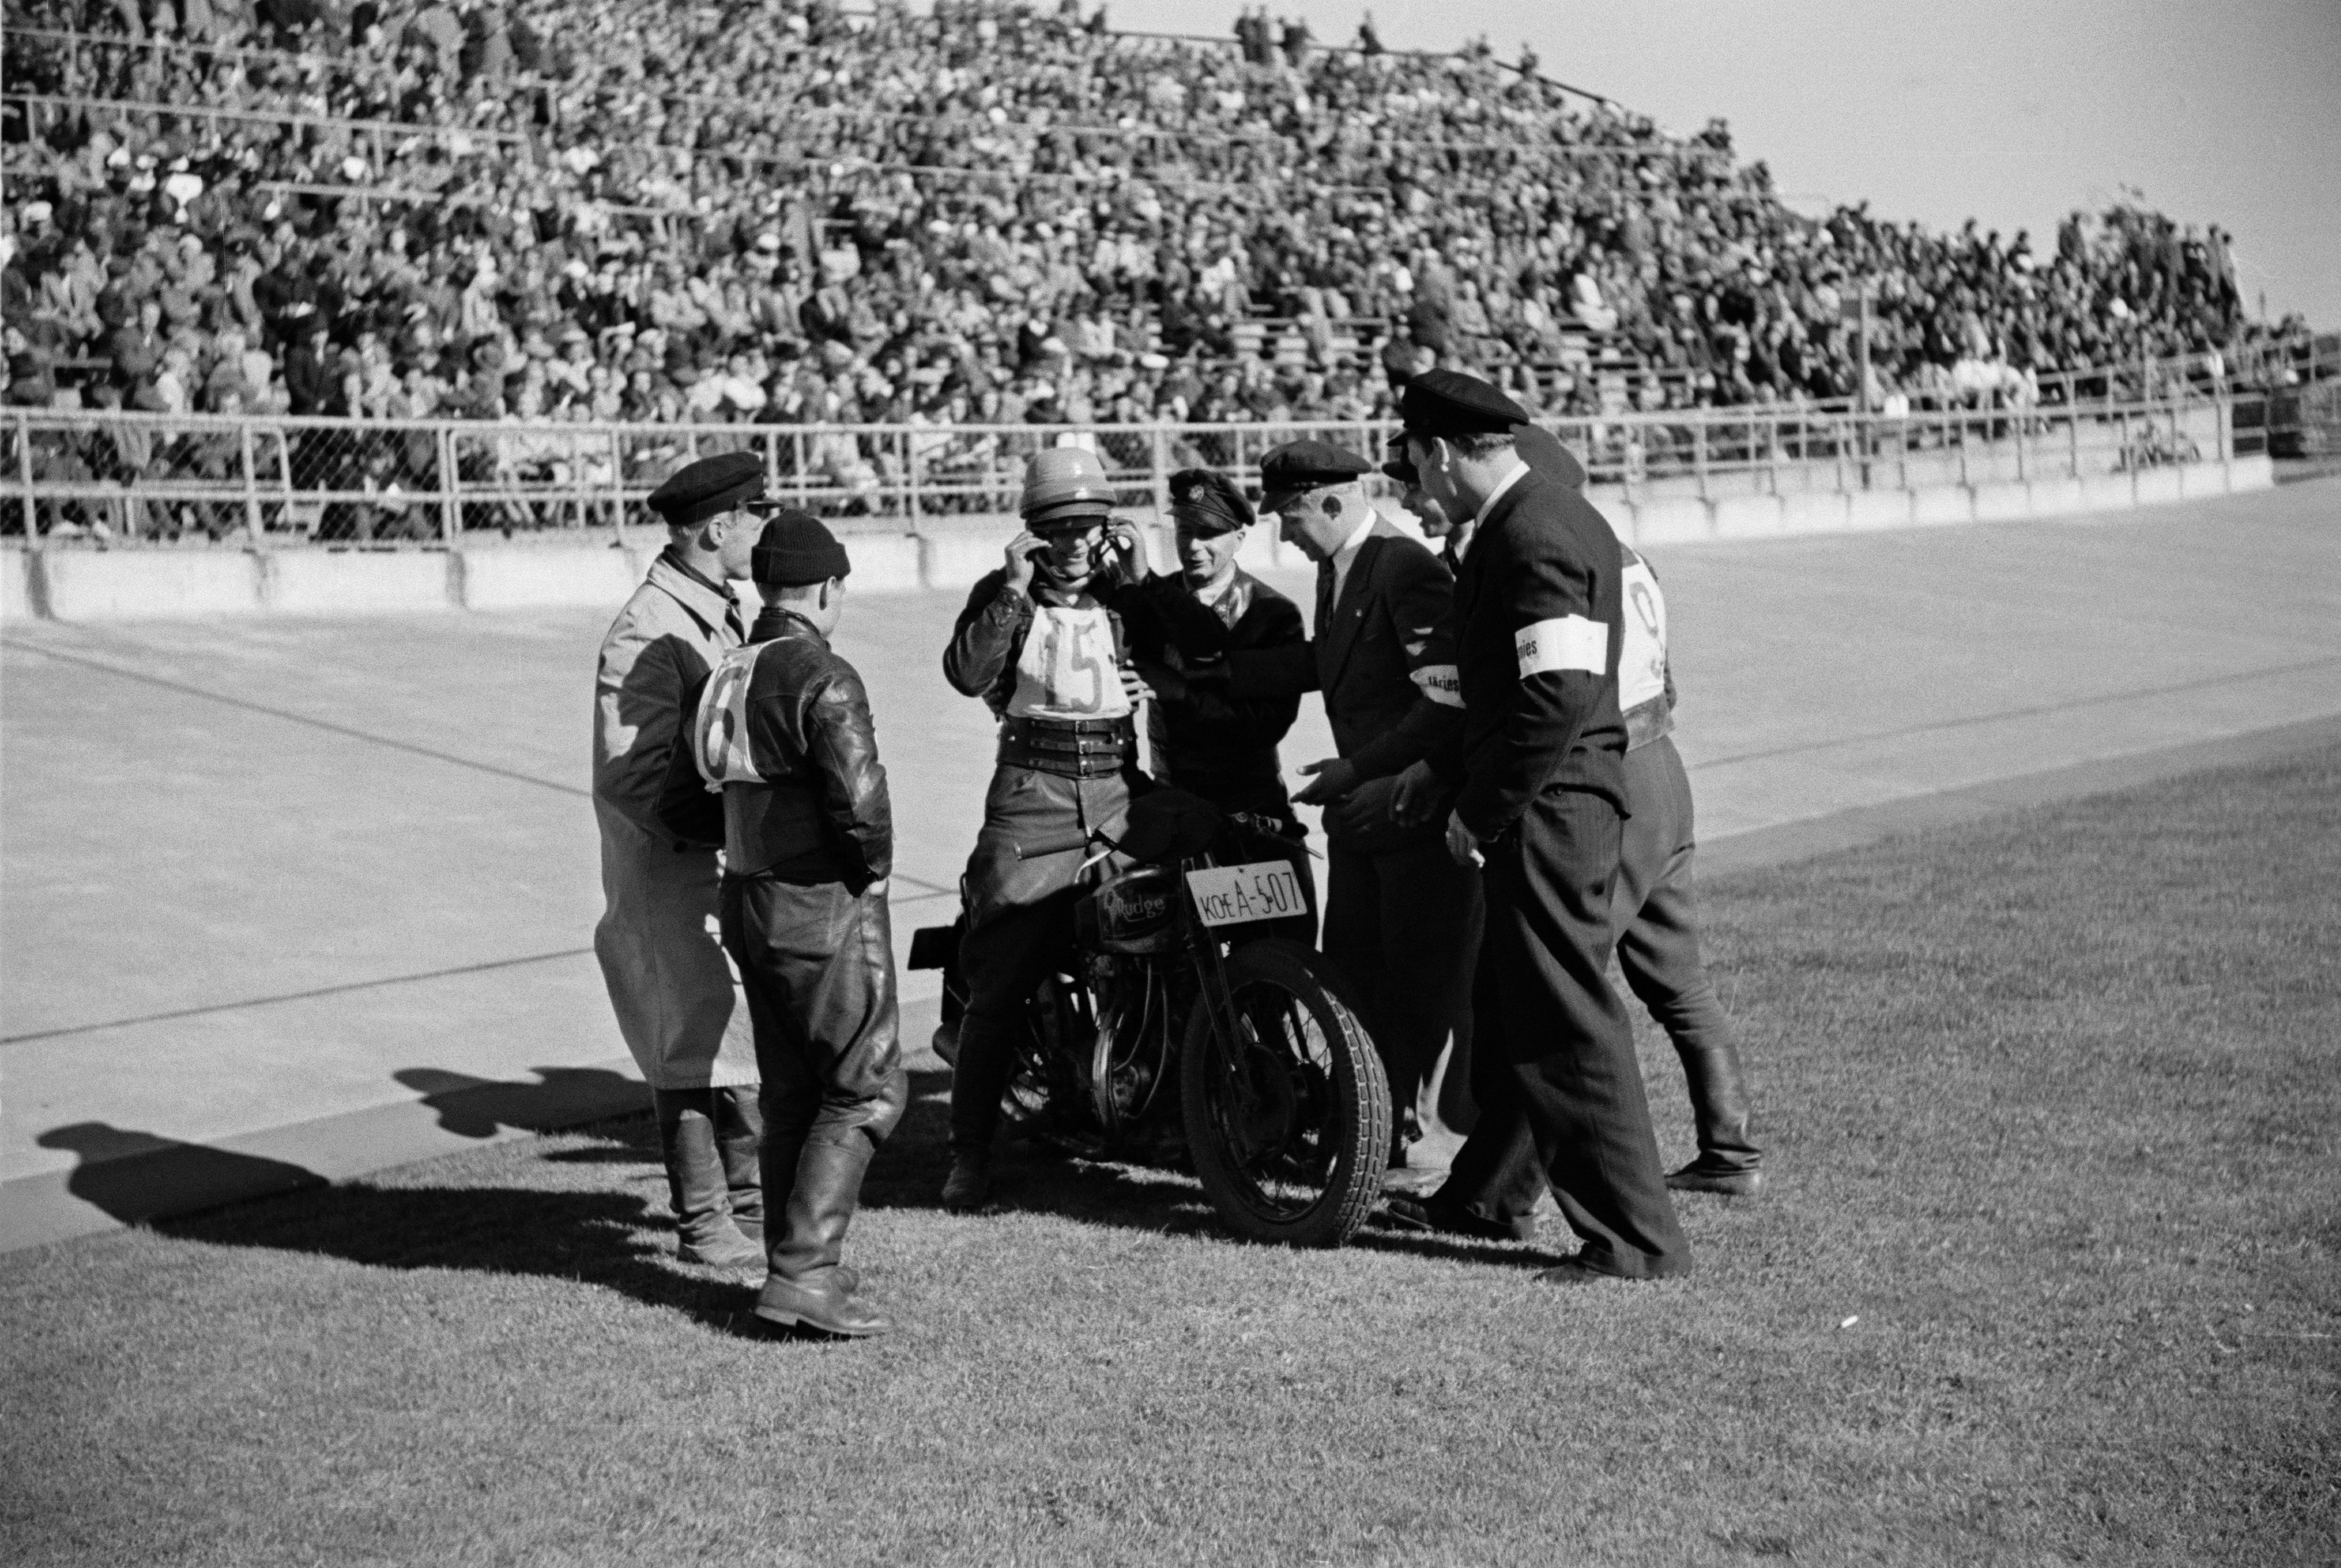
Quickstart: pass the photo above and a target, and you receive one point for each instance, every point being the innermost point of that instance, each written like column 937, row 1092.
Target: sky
column 2007, row 112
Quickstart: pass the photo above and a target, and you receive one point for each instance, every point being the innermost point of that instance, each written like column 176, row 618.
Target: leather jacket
column 782, row 728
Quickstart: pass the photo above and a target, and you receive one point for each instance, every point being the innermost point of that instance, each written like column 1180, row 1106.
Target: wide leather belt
column 1072, row 748
column 1648, row 721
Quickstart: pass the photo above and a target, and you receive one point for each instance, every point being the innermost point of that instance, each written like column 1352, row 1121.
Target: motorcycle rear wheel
column 1289, row 1126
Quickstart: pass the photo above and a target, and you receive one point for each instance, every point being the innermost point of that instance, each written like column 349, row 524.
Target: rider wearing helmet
column 1041, row 643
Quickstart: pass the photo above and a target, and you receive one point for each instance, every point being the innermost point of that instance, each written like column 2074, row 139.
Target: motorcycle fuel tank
column 1136, row 912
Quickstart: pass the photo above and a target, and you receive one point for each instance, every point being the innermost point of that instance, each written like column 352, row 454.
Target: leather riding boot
column 808, row 1285
column 739, row 1140
column 1728, row 1161
column 695, row 1182
column 784, row 1149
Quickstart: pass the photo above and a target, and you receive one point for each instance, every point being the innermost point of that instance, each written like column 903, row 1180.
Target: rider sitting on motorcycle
column 1041, row 642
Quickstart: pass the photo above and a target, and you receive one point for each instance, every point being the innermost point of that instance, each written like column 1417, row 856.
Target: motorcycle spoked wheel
column 1289, row 1126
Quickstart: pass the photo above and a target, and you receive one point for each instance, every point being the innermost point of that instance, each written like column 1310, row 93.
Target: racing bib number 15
column 1067, row 668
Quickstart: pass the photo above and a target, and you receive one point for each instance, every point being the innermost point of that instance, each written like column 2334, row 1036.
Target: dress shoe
column 1575, row 1271
column 823, row 1302
column 969, row 1184
column 1429, row 1214
column 1698, row 1177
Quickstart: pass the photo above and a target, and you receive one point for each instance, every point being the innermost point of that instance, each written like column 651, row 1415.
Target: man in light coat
column 677, row 1003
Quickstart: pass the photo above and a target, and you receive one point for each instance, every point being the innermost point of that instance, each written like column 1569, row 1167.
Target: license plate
column 1235, row 895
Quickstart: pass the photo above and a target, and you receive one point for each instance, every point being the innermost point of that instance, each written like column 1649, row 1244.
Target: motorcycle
column 1191, row 1017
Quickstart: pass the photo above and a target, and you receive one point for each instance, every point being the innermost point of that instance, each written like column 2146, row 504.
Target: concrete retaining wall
column 951, row 554
column 350, row 582
column 16, row 587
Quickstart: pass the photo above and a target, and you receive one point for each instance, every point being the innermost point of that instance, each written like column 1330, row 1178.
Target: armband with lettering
column 1568, row 642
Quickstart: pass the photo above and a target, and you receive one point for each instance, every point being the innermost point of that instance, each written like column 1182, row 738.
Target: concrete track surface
column 290, row 900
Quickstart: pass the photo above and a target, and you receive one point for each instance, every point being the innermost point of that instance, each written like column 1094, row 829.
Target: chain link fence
column 138, row 478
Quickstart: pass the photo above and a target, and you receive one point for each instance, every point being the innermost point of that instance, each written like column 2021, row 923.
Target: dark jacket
column 783, row 724
column 1384, row 658
column 1540, row 623
column 981, row 660
column 1207, row 738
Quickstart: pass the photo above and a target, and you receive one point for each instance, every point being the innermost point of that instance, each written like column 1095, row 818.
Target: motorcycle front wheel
column 1287, row 1110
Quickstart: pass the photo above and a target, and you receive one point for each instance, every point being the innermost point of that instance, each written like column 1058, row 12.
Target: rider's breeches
column 817, row 963
column 1658, row 948
column 1019, row 924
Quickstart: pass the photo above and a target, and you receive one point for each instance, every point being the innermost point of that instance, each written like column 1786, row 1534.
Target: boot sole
column 835, row 1331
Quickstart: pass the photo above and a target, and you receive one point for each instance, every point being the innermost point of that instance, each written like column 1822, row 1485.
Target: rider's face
column 1074, row 548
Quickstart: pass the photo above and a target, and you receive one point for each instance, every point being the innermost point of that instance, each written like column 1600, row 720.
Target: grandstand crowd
column 772, row 210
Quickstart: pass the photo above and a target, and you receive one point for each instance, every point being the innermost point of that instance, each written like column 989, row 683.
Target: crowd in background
column 771, row 211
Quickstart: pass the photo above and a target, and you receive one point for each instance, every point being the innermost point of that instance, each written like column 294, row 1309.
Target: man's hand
column 1019, row 560
column 1460, row 844
column 1335, row 777
column 1134, row 687
column 1418, row 794
column 1366, row 807
column 1160, row 680
column 1126, row 550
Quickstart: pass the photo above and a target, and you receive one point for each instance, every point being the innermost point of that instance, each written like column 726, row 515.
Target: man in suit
column 1401, row 918
column 1540, row 803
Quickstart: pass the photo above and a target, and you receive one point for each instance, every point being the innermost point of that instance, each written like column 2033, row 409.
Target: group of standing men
column 1505, row 812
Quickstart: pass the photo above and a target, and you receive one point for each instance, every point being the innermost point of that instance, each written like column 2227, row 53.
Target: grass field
column 2051, row 1274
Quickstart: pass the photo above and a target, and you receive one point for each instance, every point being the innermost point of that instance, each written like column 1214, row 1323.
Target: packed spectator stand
column 779, row 213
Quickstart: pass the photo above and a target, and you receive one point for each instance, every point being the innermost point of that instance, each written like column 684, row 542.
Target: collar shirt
column 1347, row 556
column 1519, row 472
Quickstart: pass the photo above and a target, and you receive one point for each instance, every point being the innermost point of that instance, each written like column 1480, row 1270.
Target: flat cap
column 715, row 484
column 1444, row 403
column 1542, row 452
column 1063, row 485
column 797, row 548
column 1206, row 502
column 1296, row 468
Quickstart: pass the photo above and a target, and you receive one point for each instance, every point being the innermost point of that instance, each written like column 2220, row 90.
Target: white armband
column 1570, row 643
column 1440, row 683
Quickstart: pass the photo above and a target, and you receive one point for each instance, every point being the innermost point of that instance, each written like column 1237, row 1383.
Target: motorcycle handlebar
column 1053, row 844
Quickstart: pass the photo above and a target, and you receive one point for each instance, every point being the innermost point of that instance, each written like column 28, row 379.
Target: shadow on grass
column 620, row 1240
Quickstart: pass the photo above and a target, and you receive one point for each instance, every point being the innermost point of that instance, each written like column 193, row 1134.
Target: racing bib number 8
column 1569, row 642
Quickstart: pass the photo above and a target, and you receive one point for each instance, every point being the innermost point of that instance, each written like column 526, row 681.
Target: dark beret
column 797, row 548
column 1298, row 467
column 1443, row 403
column 1542, row 450
column 1207, row 502
column 711, row 485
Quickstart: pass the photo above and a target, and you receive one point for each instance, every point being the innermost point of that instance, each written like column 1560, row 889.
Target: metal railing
column 265, row 481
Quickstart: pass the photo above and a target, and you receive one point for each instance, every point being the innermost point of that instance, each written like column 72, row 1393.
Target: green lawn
column 2049, row 1275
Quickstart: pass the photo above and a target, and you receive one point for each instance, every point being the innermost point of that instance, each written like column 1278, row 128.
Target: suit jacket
column 1539, row 631
column 1383, row 657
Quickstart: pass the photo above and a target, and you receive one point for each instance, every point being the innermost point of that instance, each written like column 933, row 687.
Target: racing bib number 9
column 1569, row 642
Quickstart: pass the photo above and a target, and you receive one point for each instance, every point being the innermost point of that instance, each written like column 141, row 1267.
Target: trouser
column 1403, row 927
column 817, row 963
column 1562, row 1098
column 1020, row 925
column 1655, row 918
